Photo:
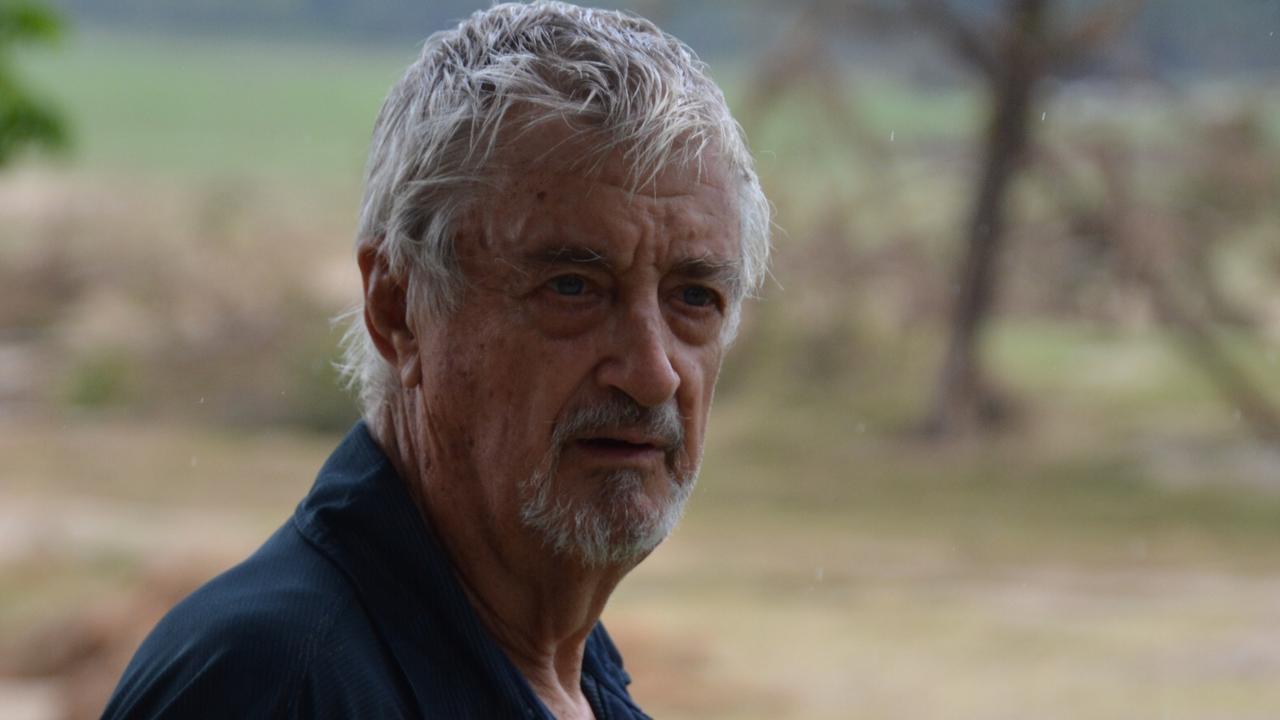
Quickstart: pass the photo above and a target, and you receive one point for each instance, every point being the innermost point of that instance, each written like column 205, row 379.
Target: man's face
column 568, row 394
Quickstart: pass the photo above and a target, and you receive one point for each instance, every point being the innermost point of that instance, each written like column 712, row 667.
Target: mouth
column 614, row 448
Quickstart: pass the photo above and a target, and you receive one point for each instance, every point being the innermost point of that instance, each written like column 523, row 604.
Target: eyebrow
column 727, row 273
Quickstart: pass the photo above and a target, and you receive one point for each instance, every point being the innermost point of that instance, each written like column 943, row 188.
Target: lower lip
column 619, row 452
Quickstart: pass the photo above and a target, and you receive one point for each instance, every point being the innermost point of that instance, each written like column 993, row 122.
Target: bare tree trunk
column 963, row 398
column 1135, row 242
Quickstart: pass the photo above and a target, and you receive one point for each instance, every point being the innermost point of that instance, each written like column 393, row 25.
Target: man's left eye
column 698, row 296
column 569, row 285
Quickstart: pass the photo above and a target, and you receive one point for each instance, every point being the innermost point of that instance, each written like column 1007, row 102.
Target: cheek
column 697, row 388
column 462, row 396
column 525, row 387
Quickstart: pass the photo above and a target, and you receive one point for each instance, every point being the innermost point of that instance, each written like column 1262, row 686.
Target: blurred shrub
column 210, row 303
column 315, row 400
column 100, row 380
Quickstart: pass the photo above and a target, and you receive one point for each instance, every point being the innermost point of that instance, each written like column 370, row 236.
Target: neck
column 540, row 607
column 539, row 610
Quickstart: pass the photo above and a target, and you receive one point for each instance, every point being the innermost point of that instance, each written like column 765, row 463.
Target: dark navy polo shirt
column 350, row 610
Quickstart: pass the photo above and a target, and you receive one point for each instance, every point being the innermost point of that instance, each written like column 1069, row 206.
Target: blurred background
column 1000, row 440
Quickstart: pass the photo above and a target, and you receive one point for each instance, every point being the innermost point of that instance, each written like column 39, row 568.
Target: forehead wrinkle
column 650, row 190
column 576, row 216
column 566, row 254
column 603, row 168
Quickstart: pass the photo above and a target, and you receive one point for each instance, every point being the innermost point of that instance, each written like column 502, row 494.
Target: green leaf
column 26, row 22
column 25, row 121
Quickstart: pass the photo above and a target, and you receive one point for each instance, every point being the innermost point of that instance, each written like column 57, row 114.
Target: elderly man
column 560, row 224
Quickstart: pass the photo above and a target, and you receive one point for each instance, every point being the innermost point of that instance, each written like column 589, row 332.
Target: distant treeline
column 1171, row 36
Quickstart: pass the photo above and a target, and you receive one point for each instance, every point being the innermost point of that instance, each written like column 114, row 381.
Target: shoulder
column 246, row 644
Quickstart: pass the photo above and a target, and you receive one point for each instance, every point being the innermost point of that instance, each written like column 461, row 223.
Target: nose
column 639, row 360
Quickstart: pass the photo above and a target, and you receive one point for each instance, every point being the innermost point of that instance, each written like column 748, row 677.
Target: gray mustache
column 620, row 412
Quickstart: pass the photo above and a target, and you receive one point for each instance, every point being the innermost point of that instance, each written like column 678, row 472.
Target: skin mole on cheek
column 542, row 195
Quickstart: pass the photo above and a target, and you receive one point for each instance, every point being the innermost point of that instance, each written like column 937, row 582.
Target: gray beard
column 617, row 524
column 612, row 528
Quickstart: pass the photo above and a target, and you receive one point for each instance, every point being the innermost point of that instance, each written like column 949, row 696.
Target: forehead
column 554, row 184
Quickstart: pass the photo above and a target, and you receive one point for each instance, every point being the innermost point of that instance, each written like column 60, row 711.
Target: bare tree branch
column 805, row 64
column 1097, row 28
column 1137, row 239
column 963, row 38
column 868, row 14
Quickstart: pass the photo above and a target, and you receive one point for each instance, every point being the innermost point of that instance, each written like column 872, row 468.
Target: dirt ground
column 744, row 613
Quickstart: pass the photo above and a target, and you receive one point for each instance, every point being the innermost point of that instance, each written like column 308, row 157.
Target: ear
column 386, row 313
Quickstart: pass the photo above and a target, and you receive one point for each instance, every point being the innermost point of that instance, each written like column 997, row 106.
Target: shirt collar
column 360, row 515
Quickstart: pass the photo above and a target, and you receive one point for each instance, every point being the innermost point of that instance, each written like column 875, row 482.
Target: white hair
column 616, row 75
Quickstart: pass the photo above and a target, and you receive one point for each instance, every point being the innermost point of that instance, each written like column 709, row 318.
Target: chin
column 619, row 525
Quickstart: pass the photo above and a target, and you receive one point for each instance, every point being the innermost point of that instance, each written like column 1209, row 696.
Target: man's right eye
column 568, row 285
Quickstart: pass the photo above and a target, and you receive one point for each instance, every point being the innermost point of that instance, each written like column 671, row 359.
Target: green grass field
column 1115, row 555
column 207, row 108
